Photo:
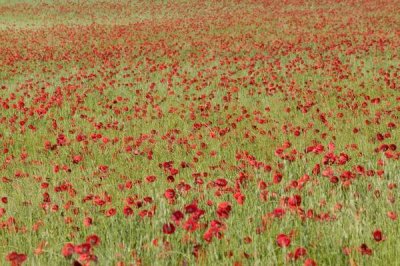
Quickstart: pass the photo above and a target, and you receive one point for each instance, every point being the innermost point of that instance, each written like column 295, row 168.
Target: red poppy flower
column 277, row 178
column 283, row 240
column 87, row 221
column 76, row 159
column 128, row 211
column 223, row 210
column 168, row 228
column 169, row 193
column 177, row 216
column 103, row 168
column 191, row 208
column 299, row 252
column 93, row 240
column 294, row 201
column 4, row 200
column 278, row 212
column 377, row 234
column 68, row 250
column 240, row 198
column 221, row 182
column 83, row 248
column 392, row 215
column 310, row 262
column 110, row 212
column 151, row 178
column 365, row 250
column 15, row 258
column 87, row 258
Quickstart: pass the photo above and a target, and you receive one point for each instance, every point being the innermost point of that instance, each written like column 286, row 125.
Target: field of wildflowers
column 247, row 132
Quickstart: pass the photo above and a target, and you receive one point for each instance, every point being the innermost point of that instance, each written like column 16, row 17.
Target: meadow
column 241, row 132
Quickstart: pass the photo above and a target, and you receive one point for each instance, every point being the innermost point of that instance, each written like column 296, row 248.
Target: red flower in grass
column 239, row 197
column 177, row 216
column 83, row 248
column 299, row 252
column 294, row 201
column 215, row 230
column 168, row 228
column 279, row 212
column 277, row 178
column 68, row 250
column 310, row 262
column 103, row 168
column 86, row 258
column 378, row 236
column 221, row 182
column 224, row 208
column 87, row 221
column 169, row 194
column 365, row 250
column 93, row 240
column 76, row 159
column 191, row 208
column 151, row 178
column 283, row 240
column 392, row 215
column 15, row 258
column 111, row 212
column 128, row 211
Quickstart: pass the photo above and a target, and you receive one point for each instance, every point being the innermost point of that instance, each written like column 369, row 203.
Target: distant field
column 199, row 132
